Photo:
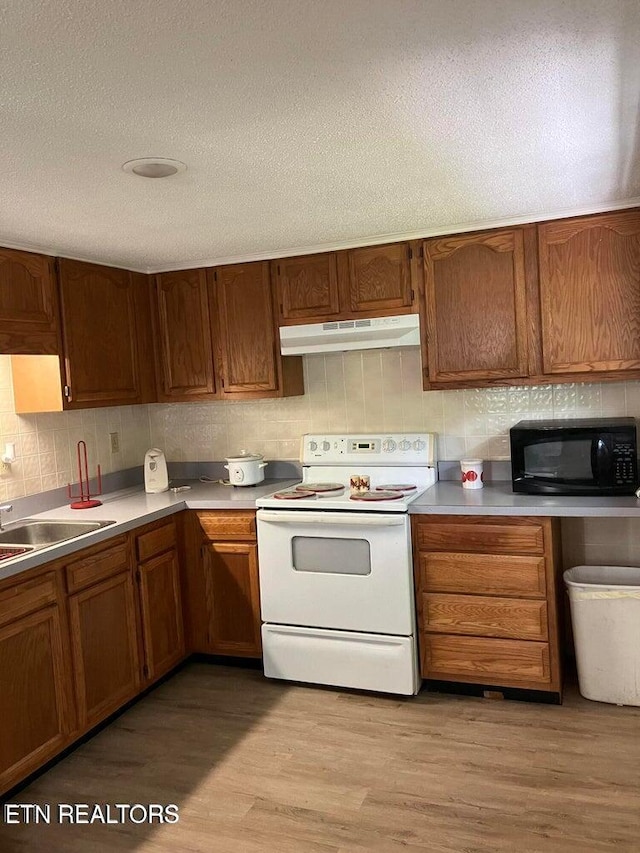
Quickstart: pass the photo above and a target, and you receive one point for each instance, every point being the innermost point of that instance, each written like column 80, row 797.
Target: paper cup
column 471, row 472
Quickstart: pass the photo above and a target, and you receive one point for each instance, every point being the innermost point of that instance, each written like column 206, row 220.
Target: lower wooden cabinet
column 222, row 583
column 35, row 694
column 233, row 598
column 104, row 641
column 486, row 596
column 160, row 600
column 81, row 637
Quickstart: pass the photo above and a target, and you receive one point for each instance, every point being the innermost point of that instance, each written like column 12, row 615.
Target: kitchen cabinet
column 217, row 337
column 183, row 337
column 224, row 595
column 158, row 577
column 371, row 281
column 590, row 295
column 28, row 303
column 35, row 687
column 486, row 594
column 105, row 323
column 104, row 636
column 475, row 307
column 246, row 345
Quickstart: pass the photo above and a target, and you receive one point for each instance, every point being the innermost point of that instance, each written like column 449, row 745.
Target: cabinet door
column 161, row 606
column 378, row 280
column 307, row 288
column 590, row 293
column 476, row 306
column 35, row 694
column 100, row 335
column 233, row 598
column 184, row 336
column 28, row 303
column 105, row 648
column 242, row 305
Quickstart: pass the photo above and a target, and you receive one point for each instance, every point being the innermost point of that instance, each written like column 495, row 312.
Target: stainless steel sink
column 30, row 533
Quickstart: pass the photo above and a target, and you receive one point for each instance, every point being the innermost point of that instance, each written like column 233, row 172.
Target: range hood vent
column 342, row 335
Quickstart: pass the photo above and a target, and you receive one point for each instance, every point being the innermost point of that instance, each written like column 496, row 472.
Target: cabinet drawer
column 26, row 597
column 482, row 535
column 228, row 525
column 484, row 660
column 484, row 616
column 156, row 541
column 98, row 565
column 491, row 574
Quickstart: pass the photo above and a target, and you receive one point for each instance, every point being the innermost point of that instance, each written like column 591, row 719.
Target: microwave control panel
column 624, row 462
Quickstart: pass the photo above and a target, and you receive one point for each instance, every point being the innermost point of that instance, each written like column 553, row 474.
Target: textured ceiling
column 308, row 124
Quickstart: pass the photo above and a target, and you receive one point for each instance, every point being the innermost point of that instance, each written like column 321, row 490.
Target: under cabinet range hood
column 342, row 335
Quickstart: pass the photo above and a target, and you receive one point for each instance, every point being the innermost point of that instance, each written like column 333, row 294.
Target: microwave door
column 563, row 461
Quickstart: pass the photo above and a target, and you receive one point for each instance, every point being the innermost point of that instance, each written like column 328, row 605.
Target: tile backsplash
column 46, row 443
column 376, row 390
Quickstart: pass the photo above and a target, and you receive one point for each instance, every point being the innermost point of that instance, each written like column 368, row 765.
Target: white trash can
column 605, row 614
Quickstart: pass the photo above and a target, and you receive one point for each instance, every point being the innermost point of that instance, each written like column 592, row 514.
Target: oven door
column 343, row 570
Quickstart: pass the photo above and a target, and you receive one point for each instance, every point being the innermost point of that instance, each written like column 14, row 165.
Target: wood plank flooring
column 259, row 766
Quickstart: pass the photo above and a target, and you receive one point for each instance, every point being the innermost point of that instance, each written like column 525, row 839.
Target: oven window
column 334, row 556
column 569, row 459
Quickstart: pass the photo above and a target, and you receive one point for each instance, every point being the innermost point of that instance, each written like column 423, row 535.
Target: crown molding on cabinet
column 355, row 243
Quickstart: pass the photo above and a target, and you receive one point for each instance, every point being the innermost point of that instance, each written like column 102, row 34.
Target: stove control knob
column 388, row 445
column 313, row 446
column 404, row 444
column 419, row 444
column 326, row 445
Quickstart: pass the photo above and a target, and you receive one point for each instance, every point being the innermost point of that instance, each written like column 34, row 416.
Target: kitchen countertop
column 131, row 508
column 448, row 497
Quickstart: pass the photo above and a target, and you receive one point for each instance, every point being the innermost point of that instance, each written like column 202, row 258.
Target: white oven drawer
column 341, row 658
column 344, row 570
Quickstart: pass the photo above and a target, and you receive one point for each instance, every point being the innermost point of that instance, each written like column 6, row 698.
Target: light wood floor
column 258, row 766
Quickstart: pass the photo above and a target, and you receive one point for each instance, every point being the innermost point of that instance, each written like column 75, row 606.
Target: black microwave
column 590, row 456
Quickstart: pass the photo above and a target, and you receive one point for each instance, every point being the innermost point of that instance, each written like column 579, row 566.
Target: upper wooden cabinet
column 590, row 294
column 370, row 281
column 247, row 352
column 104, row 316
column 378, row 278
column 475, row 305
column 308, row 287
column 217, row 336
column 28, row 303
column 183, row 336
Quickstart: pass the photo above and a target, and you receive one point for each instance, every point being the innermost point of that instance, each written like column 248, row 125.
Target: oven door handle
column 334, row 518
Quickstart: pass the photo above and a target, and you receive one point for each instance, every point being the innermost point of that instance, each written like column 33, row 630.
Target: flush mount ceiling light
column 153, row 167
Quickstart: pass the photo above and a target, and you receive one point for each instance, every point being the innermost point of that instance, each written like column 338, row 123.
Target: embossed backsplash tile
column 376, row 391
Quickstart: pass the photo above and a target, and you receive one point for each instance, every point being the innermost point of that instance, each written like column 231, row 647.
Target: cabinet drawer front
column 98, row 566
column 228, row 525
column 489, row 661
column 156, row 541
column 27, row 597
column 484, row 616
column 482, row 573
column 483, row 536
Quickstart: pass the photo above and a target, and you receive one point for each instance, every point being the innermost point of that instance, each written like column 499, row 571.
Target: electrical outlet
column 115, row 442
column 5, row 467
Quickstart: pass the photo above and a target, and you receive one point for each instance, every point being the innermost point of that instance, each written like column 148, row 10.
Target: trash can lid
column 601, row 576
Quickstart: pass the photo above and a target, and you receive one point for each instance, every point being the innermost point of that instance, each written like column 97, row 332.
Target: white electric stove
column 336, row 576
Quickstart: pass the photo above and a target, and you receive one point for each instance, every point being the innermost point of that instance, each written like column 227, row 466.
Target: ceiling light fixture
column 153, row 167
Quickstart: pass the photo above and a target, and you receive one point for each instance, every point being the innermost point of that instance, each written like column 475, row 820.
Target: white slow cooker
column 246, row 469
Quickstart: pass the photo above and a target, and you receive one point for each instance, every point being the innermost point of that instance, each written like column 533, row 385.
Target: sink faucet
column 4, row 508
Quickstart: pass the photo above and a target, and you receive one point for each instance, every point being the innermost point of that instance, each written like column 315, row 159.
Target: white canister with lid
column 246, row 468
